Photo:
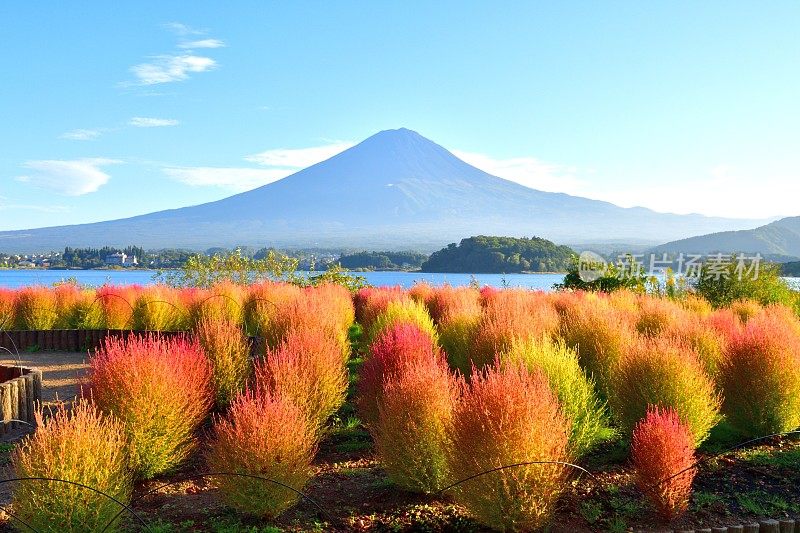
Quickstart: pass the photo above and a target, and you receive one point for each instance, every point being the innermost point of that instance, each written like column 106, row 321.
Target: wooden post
column 751, row 528
column 787, row 526
column 30, row 403
column 22, row 399
column 719, row 530
column 14, row 409
column 5, row 406
column 770, row 526
column 736, row 529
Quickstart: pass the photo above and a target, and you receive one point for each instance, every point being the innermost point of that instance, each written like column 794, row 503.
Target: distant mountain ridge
column 779, row 240
column 395, row 190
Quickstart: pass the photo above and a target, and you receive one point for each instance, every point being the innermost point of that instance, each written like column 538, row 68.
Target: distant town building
column 121, row 259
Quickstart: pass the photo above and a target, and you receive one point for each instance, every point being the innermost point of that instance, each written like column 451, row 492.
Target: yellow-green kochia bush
column 79, row 445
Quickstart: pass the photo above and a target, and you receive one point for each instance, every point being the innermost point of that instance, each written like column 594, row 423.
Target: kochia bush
column 662, row 449
column 263, row 302
column 307, row 369
column 159, row 308
column 395, row 347
column 160, row 389
column 372, row 301
column 506, row 417
column 509, row 315
column 7, row 300
column 228, row 351
column 264, row 436
column 447, row 303
column 666, row 374
column 78, row 445
column 111, row 308
column 601, row 334
column 760, row 376
column 402, row 311
column 575, row 391
column 222, row 301
column 35, row 308
column 414, row 410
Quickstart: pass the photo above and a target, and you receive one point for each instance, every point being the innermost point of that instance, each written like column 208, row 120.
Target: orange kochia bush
column 662, row 449
column 760, row 375
column 267, row 437
column 228, row 351
column 507, row 416
column 508, row 315
column 160, row 389
column 307, row 369
column 414, row 410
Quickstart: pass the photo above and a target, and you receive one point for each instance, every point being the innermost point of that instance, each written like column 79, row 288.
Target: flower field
column 434, row 408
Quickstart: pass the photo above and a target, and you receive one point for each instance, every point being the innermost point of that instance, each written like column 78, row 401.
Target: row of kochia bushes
column 455, row 383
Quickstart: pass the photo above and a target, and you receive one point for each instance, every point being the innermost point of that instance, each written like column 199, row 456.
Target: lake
column 23, row 277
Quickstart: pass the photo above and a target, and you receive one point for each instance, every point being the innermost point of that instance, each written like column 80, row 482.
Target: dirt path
column 60, row 372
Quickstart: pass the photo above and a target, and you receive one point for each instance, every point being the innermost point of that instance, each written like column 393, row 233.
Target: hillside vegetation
column 502, row 255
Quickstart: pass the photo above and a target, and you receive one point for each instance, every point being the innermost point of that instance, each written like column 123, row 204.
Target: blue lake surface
column 24, row 277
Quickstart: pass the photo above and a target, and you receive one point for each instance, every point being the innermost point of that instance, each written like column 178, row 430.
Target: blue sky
column 111, row 109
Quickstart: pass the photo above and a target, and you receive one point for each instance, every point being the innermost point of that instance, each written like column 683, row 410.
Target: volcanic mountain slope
column 395, row 190
column 779, row 240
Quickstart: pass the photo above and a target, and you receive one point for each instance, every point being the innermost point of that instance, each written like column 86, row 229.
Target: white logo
column 591, row 266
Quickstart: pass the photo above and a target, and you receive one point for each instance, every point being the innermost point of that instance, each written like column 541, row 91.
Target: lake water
column 24, row 277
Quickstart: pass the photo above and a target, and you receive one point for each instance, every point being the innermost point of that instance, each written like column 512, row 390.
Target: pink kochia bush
column 160, row 389
column 372, row 301
column 395, row 347
column 662, row 449
column 508, row 416
column 267, row 437
column 307, row 369
column 760, row 375
column 414, row 411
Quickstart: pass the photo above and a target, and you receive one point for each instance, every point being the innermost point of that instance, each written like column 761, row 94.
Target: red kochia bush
column 398, row 345
column 307, row 369
column 410, row 434
column 760, row 376
column 508, row 315
column 505, row 417
column 160, row 389
column 264, row 436
column 662, row 446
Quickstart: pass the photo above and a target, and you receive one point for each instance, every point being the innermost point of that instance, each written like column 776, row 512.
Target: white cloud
column 68, row 177
column 526, row 171
column 232, row 178
column 298, row 157
column 202, row 43
column 81, row 135
column 169, row 68
column 149, row 122
column 182, row 29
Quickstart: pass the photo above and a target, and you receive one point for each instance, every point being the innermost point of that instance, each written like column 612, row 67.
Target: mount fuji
column 394, row 190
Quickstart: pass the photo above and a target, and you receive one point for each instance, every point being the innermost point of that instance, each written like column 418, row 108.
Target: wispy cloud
column 170, row 68
column 527, row 171
column 69, row 177
column 81, row 134
column 149, row 122
column 298, row 157
column 179, row 28
column 202, row 43
column 232, row 178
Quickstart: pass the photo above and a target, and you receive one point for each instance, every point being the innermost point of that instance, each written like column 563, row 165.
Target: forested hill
column 501, row 255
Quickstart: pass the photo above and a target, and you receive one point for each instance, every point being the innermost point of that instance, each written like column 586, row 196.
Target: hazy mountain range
column 779, row 240
column 395, row 190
